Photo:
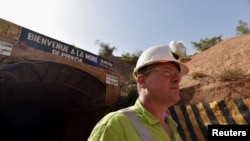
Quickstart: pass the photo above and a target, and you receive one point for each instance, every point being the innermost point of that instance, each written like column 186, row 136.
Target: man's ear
column 141, row 80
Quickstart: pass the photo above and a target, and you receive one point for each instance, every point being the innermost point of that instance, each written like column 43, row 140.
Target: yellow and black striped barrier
column 193, row 119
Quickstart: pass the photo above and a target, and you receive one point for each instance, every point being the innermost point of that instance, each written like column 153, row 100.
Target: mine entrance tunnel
column 49, row 101
column 51, row 90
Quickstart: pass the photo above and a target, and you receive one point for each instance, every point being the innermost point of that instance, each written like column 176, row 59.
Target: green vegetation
column 206, row 43
column 199, row 74
column 229, row 74
column 130, row 87
column 105, row 49
column 242, row 28
column 131, row 57
column 129, row 92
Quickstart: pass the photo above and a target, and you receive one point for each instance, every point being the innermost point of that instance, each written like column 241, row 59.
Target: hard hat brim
column 183, row 68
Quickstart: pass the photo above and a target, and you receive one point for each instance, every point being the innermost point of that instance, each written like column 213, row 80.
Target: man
column 158, row 73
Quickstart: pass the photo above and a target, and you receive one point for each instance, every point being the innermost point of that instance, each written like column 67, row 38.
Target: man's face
column 162, row 83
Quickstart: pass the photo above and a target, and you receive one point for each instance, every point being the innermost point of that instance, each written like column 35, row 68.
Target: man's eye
column 167, row 73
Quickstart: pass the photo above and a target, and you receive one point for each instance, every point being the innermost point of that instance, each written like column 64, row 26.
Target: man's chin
column 176, row 99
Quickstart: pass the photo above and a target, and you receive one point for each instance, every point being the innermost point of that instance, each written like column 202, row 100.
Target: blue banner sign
column 41, row 42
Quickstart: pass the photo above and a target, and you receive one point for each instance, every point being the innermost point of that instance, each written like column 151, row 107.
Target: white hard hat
column 158, row 54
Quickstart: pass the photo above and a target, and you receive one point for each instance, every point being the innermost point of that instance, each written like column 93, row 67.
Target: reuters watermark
column 241, row 132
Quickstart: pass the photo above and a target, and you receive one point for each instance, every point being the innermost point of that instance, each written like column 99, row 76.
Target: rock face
column 229, row 54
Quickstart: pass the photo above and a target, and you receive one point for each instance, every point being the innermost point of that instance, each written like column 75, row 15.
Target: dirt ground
column 229, row 54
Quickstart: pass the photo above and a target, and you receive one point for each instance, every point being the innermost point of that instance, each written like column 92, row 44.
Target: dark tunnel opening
column 27, row 120
column 48, row 101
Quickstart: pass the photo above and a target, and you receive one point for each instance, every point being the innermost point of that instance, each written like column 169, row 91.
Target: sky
column 128, row 25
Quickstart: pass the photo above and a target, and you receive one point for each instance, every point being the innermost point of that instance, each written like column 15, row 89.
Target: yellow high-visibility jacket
column 116, row 126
